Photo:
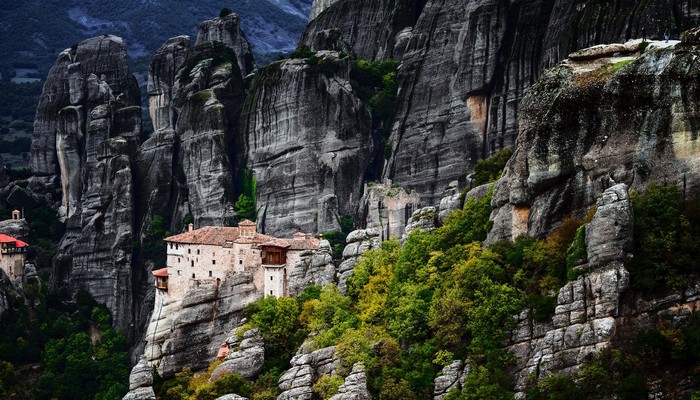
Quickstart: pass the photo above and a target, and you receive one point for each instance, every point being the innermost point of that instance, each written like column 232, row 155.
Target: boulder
column 247, row 361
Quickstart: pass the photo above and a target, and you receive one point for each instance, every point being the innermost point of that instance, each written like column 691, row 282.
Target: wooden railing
column 162, row 285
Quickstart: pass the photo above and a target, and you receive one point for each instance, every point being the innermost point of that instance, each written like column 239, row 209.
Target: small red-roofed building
column 13, row 254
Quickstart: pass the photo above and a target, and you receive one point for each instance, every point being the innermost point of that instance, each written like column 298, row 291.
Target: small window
column 240, row 262
column 178, row 259
column 210, row 274
column 192, row 276
column 171, row 245
column 271, row 278
column 189, row 251
column 270, row 292
column 213, row 262
column 179, row 273
column 177, row 246
column 192, row 263
column 197, row 251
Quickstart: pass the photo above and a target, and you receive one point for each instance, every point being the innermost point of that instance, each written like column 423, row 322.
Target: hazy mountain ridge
column 34, row 32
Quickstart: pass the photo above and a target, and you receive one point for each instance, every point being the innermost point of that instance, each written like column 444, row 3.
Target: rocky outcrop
column 141, row 382
column 358, row 242
column 314, row 268
column 589, row 309
column 18, row 229
column 318, row 6
column 387, row 208
column 231, row 397
column 467, row 66
column 3, row 174
column 297, row 382
column 246, row 360
column 87, row 129
column 352, row 17
column 453, row 377
column 6, row 289
column 355, row 385
column 162, row 74
column 71, row 83
column 577, row 138
column 425, row 219
column 187, row 333
column 227, row 30
column 306, row 138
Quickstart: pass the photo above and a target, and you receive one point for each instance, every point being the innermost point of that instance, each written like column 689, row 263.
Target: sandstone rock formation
column 227, row 30
column 141, row 382
column 70, row 84
column 318, row 6
column 246, row 360
column 425, row 219
column 385, row 17
column 16, row 228
column 358, row 242
column 355, row 385
column 314, row 268
column 297, row 382
column 87, row 128
column 306, row 138
column 453, row 377
column 387, row 208
column 577, row 138
column 187, row 333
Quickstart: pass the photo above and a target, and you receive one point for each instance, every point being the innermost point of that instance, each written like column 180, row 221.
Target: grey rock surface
column 453, row 377
column 355, row 385
column 318, row 6
column 18, row 229
column 68, row 84
column 425, row 219
column 358, row 242
column 610, row 234
column 306, row 137
column 87, row 128
column 231, row 397
column 306, row 368
column 387, row 207
column 314, row 268
column 576, row 139
column 187, row 333
column 352, row 17
column 247, row 360
column 144, row 393
column 228, row 31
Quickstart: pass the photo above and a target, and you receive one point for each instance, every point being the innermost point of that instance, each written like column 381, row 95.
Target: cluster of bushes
column 375, row 84
column 81, row 355
column 490, row 169
column 338, row 239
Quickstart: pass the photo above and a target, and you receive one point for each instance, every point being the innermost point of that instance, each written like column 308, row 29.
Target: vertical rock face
column 87, row 129
column 358, row 241
column 468, row 64
column 187, row 333
column 306, row 368
column 228, row 30
column 355, row 385
column 162, row 74
column 67, row 85
column 314, row 268
column 387, row 208
column 306, row 137
column 318, row 6
column 386, row 19
column 247, row 360
column 577, row 137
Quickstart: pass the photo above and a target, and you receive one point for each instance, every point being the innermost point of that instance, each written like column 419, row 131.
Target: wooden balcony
column 163, row 285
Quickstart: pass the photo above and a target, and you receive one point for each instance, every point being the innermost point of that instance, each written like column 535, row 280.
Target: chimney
column 190, row 227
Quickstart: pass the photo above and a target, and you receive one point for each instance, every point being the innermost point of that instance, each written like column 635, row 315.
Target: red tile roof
column 218, row 235
column 9, row 239
column 160, row 272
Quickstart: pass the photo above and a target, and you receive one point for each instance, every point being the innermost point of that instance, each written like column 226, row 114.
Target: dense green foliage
column 245, row 206
column 81, row 355
column 375, row 84
column 154, row 247
column 666, row 233
column 490, row 169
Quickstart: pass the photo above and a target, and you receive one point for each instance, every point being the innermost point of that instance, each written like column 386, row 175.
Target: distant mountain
column 33, row 32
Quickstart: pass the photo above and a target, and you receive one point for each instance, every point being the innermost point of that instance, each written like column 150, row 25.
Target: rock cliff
column 87, row 129
column 187, row 333
column 587, row 125
column 227, row 30
column 306, row 368
column 306, row 137
column 385, row 17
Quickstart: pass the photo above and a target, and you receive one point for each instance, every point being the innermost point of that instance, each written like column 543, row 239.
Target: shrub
column 327, row 386
column 490, row 169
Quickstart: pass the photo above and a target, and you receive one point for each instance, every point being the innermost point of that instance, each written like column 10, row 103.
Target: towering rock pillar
column 87, row 129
